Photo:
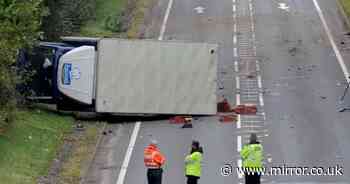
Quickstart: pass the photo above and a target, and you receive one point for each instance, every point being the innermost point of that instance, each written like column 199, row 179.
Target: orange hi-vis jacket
column 153, row 158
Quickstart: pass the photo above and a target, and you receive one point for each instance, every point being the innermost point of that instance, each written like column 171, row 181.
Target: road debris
column 246, row 109
column 180, row 119
column 228, row 118
column 224, row 106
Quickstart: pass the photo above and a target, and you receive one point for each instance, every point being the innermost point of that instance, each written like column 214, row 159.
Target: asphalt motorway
column 283, row 44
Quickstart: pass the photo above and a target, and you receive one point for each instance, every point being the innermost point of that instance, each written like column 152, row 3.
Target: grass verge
column 346, row 6
column 83, row 148
column 138, row 16
column 28, row 145
column 104, row 9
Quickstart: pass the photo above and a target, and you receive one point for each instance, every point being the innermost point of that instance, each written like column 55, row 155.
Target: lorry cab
column 62, row 73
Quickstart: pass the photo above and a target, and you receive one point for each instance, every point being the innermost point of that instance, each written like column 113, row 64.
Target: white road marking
column 239, row 165
column 133, row 138
column 234, row 39
column 239, row 143
column 199, row 9
column 235, row 52
column 233, row 8
column 237, row 83
column 233, row 1
column 165, row 20
column 259, row 82
column 234, row 28
column 283, row 6
column 261, row 99
column 257, row 66
column 331, row 39
column 124, row 168
column 238, row 124
column 238, row 99
column 236, row 67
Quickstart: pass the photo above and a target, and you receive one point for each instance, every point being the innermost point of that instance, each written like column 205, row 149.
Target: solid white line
column 235, row 39
column 162, row 31
column 331, row 39
column 239, row 143
column 124, row 168
column 235, row 53
column 128, row 154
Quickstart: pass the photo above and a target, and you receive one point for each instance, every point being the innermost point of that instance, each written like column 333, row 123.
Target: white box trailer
column 142, row 76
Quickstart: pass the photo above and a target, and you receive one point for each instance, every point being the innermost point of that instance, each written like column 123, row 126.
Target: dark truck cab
column 43, row 62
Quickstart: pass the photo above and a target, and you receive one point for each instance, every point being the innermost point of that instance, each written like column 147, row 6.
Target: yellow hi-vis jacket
column 193, row 164
column 252, row 155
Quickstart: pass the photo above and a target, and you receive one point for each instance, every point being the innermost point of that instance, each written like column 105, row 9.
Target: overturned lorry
column 125, row 77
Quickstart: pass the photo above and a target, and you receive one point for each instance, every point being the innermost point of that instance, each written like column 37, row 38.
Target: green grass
column 30, row 144
column 104, row 8
column 346, row 5
column 83, row 148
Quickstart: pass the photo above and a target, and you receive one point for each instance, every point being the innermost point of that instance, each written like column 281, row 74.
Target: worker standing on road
column 252, row 155
column 154, row 160
column 193, row 163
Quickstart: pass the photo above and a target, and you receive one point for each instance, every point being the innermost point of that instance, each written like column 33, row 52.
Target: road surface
column 274, row 53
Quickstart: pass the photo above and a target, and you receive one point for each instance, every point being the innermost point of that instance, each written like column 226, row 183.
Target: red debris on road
column 227, row 118
column 224, row 106
column 246, row 109
column 180, row 119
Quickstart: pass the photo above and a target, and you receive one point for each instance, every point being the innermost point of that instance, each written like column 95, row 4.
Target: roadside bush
column 19, row 28
column 114, row 23
column 67, row 16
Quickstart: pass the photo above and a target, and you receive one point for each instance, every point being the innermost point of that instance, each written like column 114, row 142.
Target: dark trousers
column 252, row 178
column 192, row 179
column 154, row 176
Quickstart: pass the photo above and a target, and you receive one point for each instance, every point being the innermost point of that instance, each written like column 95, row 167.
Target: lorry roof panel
column 156, row 77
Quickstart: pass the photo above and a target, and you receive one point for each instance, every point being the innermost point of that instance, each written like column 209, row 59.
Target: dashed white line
column 257, row 66
column 236, row 67
column 261, row 100
column 331, row 39
column 237, row 83
column 235, row 52
column 238, row 99
column 238, row 124
column 128, row 154
column 259, row 82
column 235, row 39
column 239, row 143
column 234, row 8
column 239, row 165
column 234, row 28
